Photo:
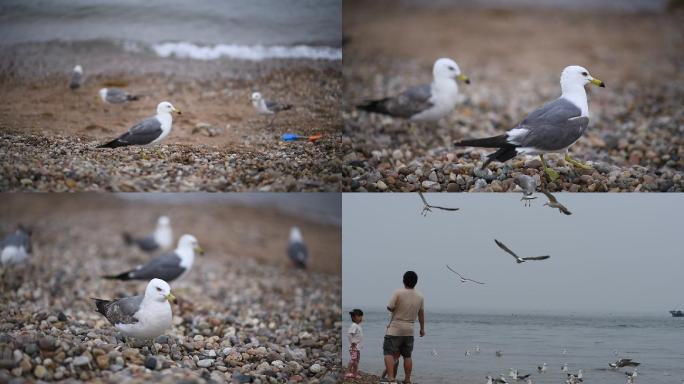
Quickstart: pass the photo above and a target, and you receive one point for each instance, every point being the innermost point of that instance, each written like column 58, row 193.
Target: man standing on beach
column 405, row 305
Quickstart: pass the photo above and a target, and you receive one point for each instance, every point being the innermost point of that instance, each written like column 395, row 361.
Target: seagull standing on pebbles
column 423, row 103
column 161, row 238
column 296, row 249
column 142, row 317
column 553, row 127
column 149, row 131
column 76, row 78
column 16, row 248
column 268, row 107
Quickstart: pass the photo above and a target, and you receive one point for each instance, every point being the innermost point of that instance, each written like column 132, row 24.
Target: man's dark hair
column 410, row 279
column 356, row 312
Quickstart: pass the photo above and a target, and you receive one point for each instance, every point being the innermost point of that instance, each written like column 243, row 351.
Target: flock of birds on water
column 154, row 129
column 148, row 315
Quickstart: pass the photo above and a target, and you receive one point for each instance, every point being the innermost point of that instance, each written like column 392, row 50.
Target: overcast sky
column 617, row 253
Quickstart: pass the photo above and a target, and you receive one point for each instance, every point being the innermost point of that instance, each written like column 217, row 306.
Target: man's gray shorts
column 398, row 344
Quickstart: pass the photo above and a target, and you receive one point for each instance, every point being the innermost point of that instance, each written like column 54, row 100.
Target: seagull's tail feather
column 121, row 276
column 132, row 97
column 487, row 142
column 502, row 155
column 113, row 144
column 101, row 305
column 127, row 238
column 376, row 106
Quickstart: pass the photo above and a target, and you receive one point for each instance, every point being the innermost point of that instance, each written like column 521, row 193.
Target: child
column 355, row 335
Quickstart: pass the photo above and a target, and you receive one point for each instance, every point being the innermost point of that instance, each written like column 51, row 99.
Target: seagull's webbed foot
column 553, row 175
column 576, row 163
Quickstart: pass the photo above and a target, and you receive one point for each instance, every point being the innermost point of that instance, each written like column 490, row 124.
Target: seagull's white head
column 190, row 242
column 448, row 69
column 103, row 94
column 295, row 235
column 163, row 221
column 158, row 290
column 256, row 96
column 78, row 69
column 165, row 107
column 576, row 75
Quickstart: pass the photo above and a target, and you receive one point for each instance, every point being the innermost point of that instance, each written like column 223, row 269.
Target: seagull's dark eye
column 584, row 74
column 452, row 68
column 158, row 289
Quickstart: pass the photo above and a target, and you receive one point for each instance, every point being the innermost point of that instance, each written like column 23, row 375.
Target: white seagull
column 149, row 131
column 76, row 78
column 554, row 127
column 143, row 317
column 542, row 368
column 16, row 248
column 519, row 259
column 296, row 249
column 116, row 96
column 463, row 280
column 428, row 102
column 268, row 107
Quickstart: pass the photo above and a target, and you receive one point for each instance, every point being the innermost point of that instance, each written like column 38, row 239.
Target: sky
column 617, row 253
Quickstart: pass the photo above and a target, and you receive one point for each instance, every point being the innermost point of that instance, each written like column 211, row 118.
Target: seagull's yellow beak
column 598, row 83
column 464, row 78
column 199, row 250
column 171, row 298
column 174, row 109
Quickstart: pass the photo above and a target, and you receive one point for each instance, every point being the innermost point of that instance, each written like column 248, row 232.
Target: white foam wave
column 245, row 52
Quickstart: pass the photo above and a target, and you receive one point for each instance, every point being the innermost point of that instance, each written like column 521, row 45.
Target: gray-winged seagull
column 427, row 207
column 76, row 78
column 162, row 237
column 553, row 203
column 268, row 107
column 16, row 247
column 116, row 96
column 296, row 249
column 519, row 259
column 463, row 280
column 149, row 131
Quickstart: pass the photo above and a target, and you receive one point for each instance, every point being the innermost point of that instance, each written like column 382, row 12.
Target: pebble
column 206, row 363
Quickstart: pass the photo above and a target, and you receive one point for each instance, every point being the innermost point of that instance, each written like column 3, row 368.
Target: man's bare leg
column 408, row 367
column 389, row 367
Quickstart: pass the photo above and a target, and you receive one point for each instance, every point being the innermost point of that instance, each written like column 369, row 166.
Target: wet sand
column 514, row 58
column 242, row 306
column 219, row 143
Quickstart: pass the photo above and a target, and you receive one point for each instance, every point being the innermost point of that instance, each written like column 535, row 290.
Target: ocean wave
column 245, row 52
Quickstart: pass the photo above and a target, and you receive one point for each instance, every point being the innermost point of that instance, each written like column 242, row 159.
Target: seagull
column 498, row 353
column 296, row 249
column 467, row 353
column 161, row 238
column 149, row 131
column 143, row 317
column 463, row 280
column 575, row 378
column 623, row 363
column 116, row 96
column 427, row 207
column 76, row 78
column 477, row 347
column 519, row 259
column 528, row 185
column 632, row 374
column 542, row 368
column 434, row 353
column 489, row 380
column 529, row 381
column 554, row 127
column 564, row 368
column 427, row 102
column 501, row 379
column 565, row 352
column 516, row 376
column 166, row 267
column 16, row 248
column 553, row 203
column 268, row 107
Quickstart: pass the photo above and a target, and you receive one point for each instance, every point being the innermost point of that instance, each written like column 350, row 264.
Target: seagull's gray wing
column 423, row 198
column 298, row 253
column 18, row 239
column 275, row 106
column 461, row 276
column 165, row 267
column 536, row 257
column 408, row 103
column 551, row 198
column 564, row 210
column 116, row 95
column 120, row 311
column 76, row 78
column 444, row 208
column 142, row 133
column 147, row 243
column 552, row 127
column 505, row 248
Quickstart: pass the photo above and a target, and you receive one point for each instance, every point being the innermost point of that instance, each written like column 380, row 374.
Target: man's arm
column 392, row 303
column 421, row 320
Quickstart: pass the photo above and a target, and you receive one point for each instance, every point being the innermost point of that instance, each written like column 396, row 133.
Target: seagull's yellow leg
column 553, row 175
column 575, row 162
column 143, row 154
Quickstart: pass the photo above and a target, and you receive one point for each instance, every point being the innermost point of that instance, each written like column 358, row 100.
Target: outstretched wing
column 444, row 208
column 505, row 248
column 423, row 198
column 536, row 257
column 564, row 210
column 549, row 195
column 461, row 276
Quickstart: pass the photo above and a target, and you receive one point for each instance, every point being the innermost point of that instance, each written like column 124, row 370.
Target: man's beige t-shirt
column 405, row 305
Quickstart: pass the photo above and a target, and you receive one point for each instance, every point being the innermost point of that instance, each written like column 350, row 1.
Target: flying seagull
column 463, row 280
column 428, row 208
column 498, row 353
column 161, row 238
column 149, row 131
column 491, row 380
column 76, row 78
column 553, row 127
column 519, row 259
column 517, row 376
column 116, row 96
column 296, row 249
column 624, row 362
column 268, row 107
column 143, row 317
column 427, row 102
column 16, row 248
column 166, row 267
column 542, row 368
column 528, row 185
column 553, row 203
